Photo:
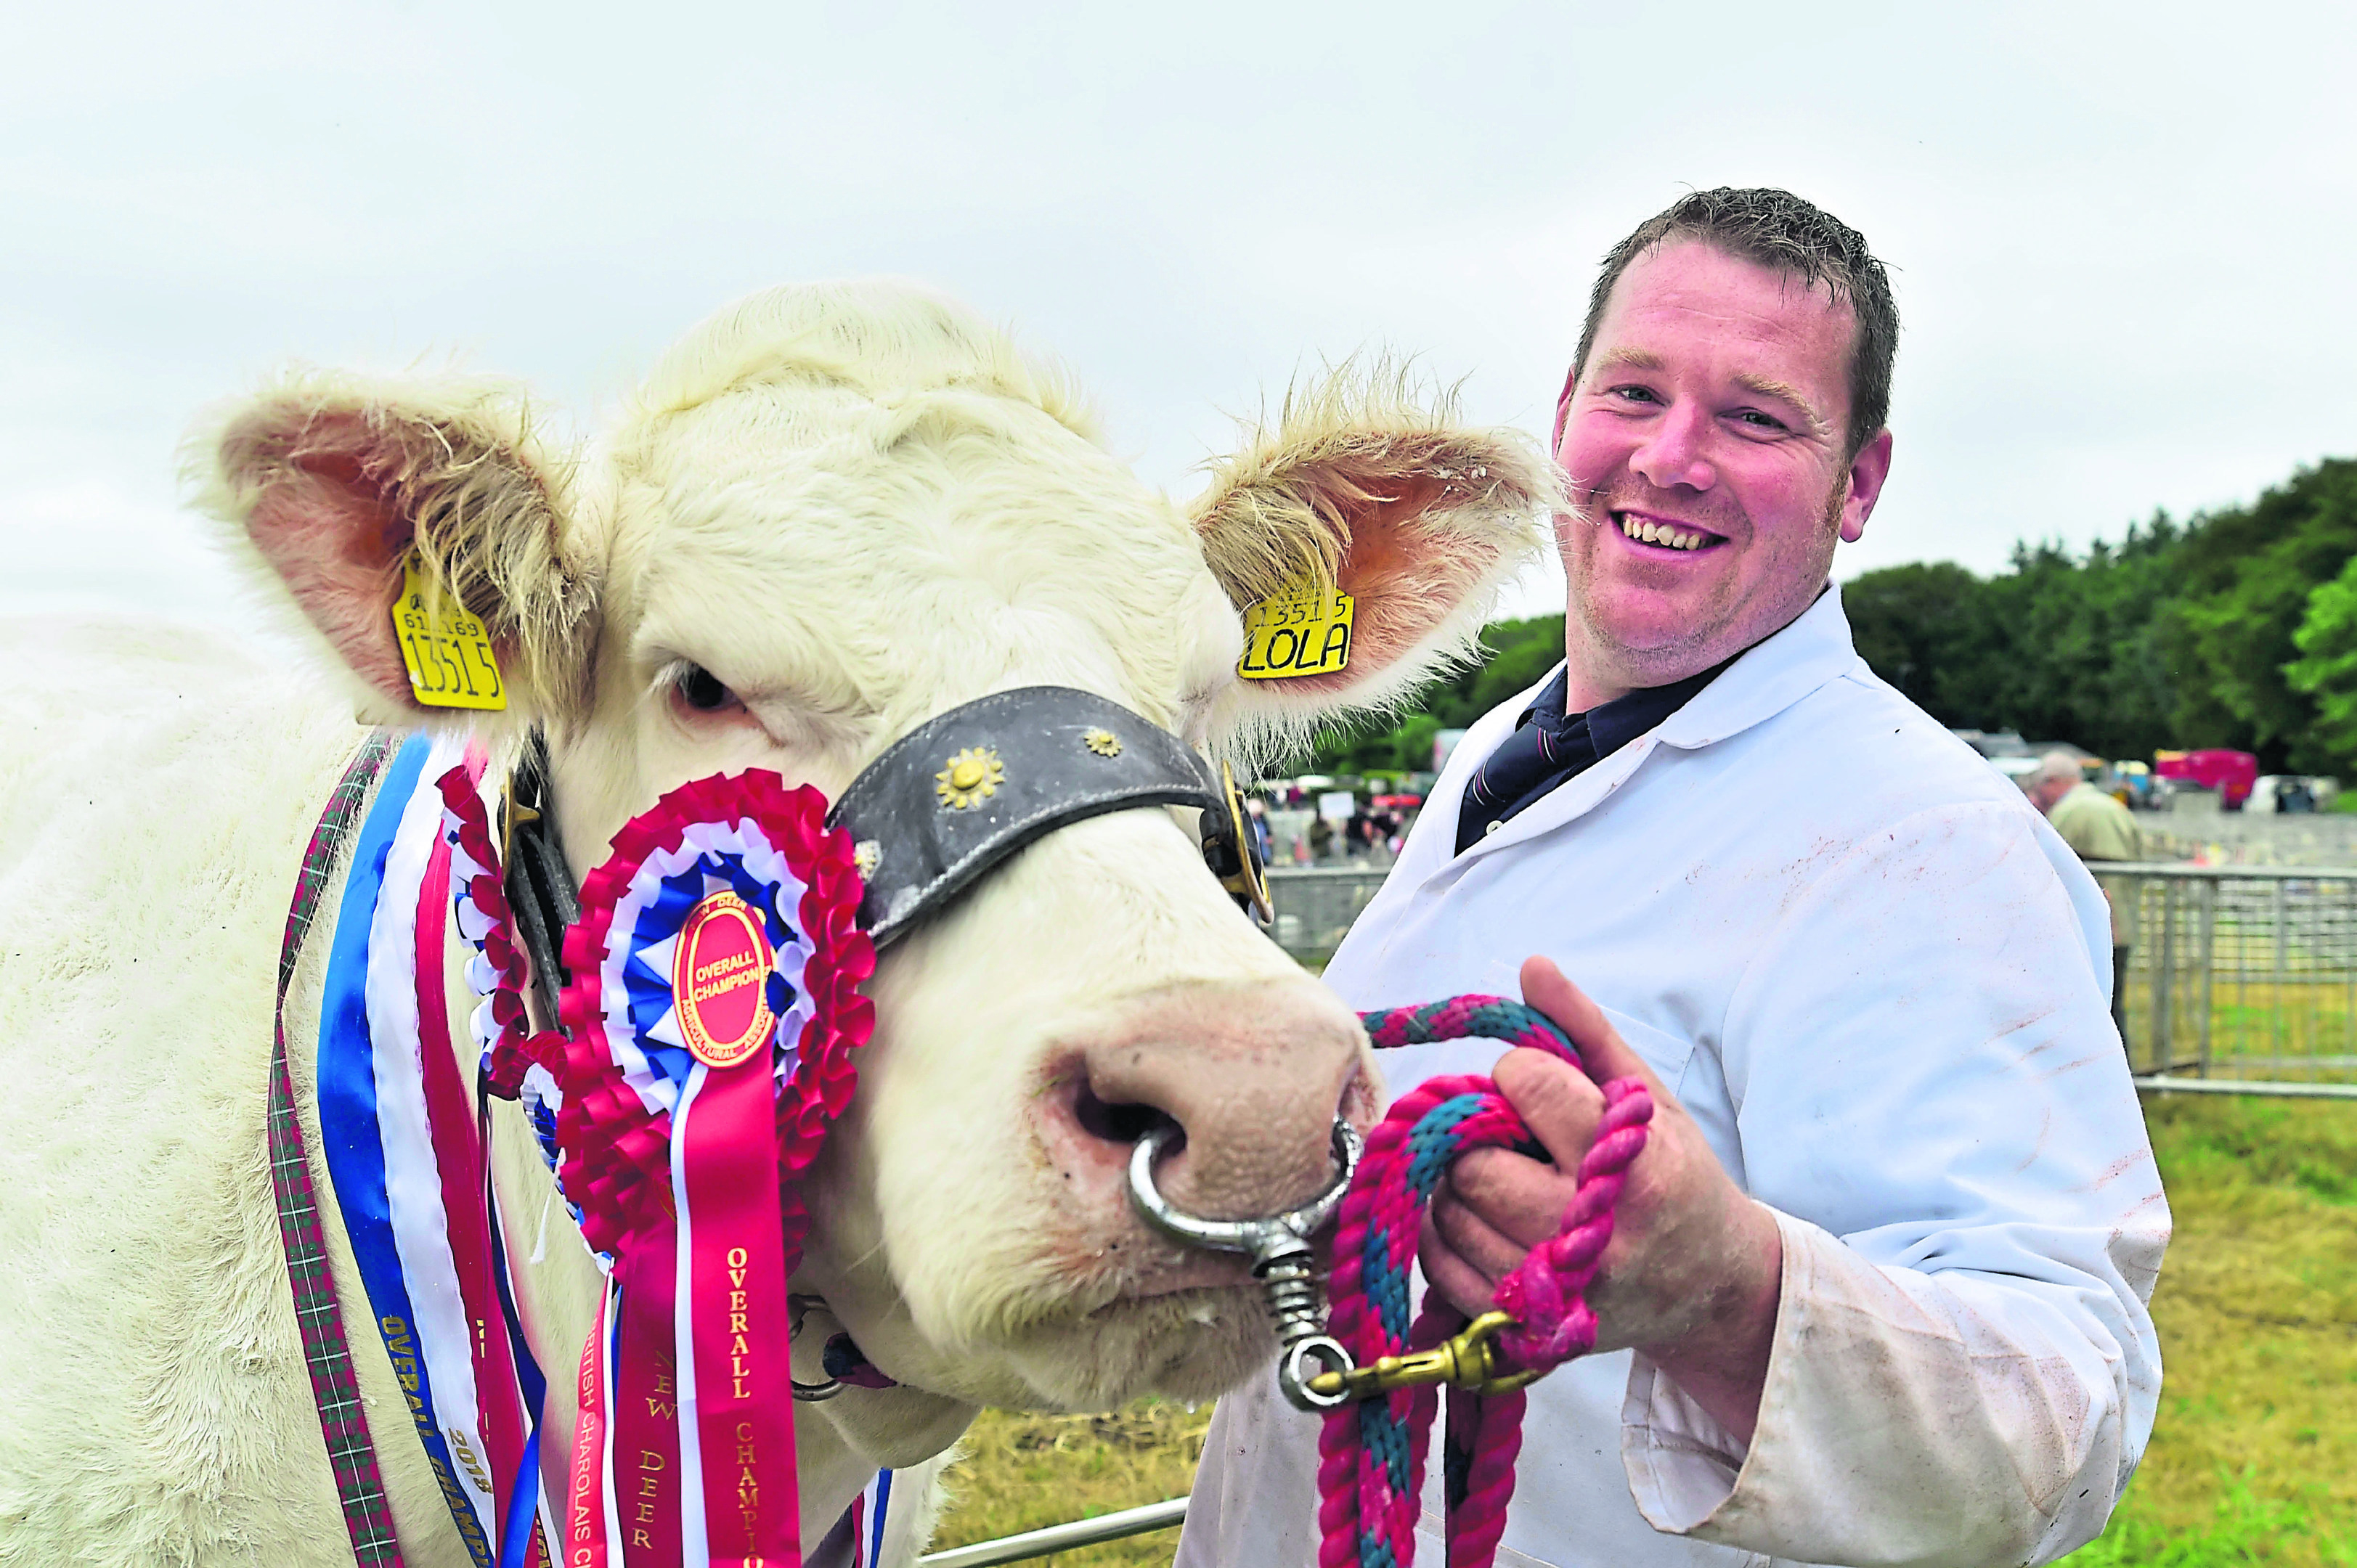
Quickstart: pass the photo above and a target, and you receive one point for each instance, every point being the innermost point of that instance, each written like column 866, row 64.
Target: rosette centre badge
column 719, row 974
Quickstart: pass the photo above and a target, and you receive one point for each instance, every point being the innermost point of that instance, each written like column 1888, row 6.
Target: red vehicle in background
column 2231, row 773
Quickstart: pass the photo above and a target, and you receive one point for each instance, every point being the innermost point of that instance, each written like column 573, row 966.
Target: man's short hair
column 1777, row 230
column 2057, row 765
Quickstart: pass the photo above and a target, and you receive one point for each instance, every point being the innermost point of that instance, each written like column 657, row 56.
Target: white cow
column 830, row 513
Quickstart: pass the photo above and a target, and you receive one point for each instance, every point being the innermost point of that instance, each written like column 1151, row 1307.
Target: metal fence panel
column 1315, row 905
column 1037, row 1543
column 2241, row 972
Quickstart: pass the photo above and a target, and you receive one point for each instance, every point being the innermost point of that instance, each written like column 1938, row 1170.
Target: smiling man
column 1878, row 1289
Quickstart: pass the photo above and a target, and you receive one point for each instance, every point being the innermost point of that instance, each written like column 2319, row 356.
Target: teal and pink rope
column 1371, row 1454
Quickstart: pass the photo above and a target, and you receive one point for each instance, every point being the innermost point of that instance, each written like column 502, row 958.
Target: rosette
column 748, row 835
column 713, row 1008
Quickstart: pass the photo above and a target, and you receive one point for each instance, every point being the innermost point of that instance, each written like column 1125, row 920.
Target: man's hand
column 1693, row 1273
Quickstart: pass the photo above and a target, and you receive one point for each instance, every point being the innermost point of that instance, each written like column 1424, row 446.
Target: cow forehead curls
column 867, row 493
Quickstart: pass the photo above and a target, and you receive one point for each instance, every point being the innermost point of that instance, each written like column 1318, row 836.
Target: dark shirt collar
column 1549, row 747
column 1613, row 725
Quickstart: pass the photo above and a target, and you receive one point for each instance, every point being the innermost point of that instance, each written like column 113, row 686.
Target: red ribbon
column 744, row 1383
column 584, row 1513
column 703, row 1389
column 459, row 1163
column 646, row 1407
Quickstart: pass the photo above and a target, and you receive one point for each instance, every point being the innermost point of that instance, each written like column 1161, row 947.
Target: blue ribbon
column 515, row 1539
column 876, row 1522
column 350, row 1136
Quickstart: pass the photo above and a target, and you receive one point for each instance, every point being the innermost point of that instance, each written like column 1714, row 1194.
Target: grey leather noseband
column 961, row 793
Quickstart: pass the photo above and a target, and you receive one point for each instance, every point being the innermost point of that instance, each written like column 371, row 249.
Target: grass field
column 2254, row 1459
column 2259, row 1028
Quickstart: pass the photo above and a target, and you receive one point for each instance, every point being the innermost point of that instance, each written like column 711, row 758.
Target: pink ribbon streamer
column 744, row 1385
column 459, row 1165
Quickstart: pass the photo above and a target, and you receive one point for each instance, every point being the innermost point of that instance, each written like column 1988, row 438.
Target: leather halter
column 945, row 805
column 1048, row 757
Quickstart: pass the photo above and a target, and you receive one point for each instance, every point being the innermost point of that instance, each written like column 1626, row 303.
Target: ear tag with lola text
column 1303, row 628
column 446, row 651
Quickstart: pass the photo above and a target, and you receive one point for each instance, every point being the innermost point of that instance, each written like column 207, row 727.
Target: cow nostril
column 1117, row 1122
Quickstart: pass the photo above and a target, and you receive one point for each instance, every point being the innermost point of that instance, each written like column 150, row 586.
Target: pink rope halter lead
column 1370, row 1454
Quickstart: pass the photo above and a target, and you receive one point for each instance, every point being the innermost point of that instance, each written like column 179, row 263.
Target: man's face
column 1713, row 414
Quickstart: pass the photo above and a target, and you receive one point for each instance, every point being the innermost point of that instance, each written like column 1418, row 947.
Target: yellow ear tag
column 1300, row 629
column 447, row 654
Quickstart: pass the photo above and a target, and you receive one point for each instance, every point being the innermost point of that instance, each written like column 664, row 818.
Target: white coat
column 1879, row 981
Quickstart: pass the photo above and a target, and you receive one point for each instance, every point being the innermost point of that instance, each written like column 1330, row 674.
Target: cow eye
column 700, row 688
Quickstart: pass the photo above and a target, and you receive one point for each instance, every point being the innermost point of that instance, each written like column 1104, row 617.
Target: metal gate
column 2240, row 979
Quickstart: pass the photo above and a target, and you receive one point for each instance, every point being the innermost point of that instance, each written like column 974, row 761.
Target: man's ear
column 328, row 482
column 1419, row 520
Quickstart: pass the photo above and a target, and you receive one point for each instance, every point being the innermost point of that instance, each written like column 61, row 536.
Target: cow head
column 831, row 513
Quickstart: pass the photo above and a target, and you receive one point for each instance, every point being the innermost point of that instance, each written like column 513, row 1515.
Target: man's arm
column 1929, row 1097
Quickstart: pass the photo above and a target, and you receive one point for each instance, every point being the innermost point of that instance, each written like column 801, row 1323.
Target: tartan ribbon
column 326, row 1353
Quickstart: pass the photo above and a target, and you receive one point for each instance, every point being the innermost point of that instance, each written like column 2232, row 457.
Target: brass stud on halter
column 972, row 775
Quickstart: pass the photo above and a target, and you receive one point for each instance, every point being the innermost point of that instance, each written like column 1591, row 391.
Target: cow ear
column 1420, row 520
column 328, row 483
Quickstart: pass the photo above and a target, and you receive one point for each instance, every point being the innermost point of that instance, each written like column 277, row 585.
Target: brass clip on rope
column 1467, row 1360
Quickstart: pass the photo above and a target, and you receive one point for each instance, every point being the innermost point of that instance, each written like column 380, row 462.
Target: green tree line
column 2236, row 627
column 1513, row 654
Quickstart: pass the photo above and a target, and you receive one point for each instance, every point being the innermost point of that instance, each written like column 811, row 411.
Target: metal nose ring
column 1278, row 1245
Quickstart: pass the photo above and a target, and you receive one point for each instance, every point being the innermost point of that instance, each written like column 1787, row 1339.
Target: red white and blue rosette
column 713, row 1009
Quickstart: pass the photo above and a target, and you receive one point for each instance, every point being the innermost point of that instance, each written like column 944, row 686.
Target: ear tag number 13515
column 446, row 649
column 1301, row 629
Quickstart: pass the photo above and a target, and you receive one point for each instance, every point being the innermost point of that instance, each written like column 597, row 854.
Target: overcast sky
column 2120, row 235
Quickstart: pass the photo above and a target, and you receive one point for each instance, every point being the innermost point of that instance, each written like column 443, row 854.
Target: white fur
column 855, row 505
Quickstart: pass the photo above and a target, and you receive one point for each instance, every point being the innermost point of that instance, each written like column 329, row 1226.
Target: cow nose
column 1251, row 1078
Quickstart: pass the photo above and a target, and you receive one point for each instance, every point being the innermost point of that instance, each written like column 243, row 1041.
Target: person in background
column 2097, row 828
